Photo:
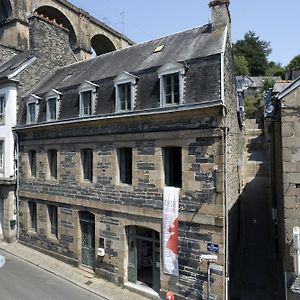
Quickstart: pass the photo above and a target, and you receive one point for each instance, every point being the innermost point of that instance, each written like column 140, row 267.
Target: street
column 20, row 280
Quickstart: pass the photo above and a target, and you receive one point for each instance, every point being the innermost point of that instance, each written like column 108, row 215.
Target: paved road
column 20, row 280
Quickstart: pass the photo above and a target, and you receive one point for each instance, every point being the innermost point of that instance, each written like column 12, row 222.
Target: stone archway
column 54, row 14
column 5, row 10
column 102, row 44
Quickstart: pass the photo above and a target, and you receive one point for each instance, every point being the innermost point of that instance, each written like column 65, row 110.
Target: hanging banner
column 170, row 230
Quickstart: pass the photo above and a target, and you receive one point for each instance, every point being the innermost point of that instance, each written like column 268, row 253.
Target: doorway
column 87, row 225
column 143, row 256
column 1, row 217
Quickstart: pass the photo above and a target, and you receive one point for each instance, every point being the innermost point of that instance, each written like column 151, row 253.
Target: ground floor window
column 32, row 216
column 52, row 210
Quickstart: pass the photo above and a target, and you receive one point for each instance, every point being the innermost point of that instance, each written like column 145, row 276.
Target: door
column 132, row 260
column 87, row 225
column 1, row 217
column 156, row 267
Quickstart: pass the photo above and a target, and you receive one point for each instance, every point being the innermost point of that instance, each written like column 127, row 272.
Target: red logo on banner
column 172, row 243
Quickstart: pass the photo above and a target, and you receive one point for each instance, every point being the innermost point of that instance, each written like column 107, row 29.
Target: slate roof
column 280, row 86
column 183, row 46
column 12, row 65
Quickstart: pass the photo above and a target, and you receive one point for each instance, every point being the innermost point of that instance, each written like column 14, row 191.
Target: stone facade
column 122, row 217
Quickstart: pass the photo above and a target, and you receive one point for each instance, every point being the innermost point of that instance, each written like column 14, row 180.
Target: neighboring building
column 31, row 47
column 99, row 141
column 283, row 126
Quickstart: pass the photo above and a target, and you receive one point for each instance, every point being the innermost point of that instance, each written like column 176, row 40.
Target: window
column 32, row 216
column 87, row 98
column 86, row 103
column 52, row 162
column 32, row 162
column 51, row 109
column 124, row 91
column 32, row 109
column 125, row 85
column 1, row 155
column 87, row 164
column 172, row 166
column 2, row 109
column 125, row 165
column 171, row 88
column 171, row 77
column 52, row 210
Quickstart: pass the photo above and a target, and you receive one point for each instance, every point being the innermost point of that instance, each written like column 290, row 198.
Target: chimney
column 220, row 15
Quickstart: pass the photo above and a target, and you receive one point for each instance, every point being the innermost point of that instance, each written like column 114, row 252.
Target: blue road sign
column 213, row 247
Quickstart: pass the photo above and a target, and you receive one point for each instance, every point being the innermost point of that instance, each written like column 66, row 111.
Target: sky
column 275, row 21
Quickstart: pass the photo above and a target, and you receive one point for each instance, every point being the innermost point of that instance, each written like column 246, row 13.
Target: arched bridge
column 86, row 33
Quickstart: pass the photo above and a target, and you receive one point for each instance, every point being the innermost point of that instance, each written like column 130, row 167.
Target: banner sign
column 170, row 230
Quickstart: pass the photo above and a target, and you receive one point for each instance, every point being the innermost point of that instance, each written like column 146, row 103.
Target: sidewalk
column 74, row 275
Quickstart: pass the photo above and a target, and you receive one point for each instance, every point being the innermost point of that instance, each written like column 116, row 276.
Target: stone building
column 25, row 59
column 284, row 128
column 99, row 141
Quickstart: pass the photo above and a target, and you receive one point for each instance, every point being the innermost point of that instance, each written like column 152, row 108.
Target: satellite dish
column 2, row 261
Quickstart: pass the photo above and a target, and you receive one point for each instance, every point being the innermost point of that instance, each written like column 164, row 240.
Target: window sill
column 124, row 187
column 53, row 237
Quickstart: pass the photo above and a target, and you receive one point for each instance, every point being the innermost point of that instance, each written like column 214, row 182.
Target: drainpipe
column 226, row 210
column 16, row 138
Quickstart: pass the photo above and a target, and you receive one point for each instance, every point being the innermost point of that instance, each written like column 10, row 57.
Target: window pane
column 32, row 216
column 171, row 89
column 1, row 155
column 31, row 113
column 172, row 166
column 2, row 110
column 52, row 160
column 51, row 109
column 32, row 162
column 125, row 165
column 86, row 103
column 124, row 96
column 87, row 164
column 53, row 219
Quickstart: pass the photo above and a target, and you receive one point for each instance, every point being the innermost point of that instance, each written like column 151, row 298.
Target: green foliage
column 255, row 51
column 267, row 85
column 294, row 63
column 252, row 102
column 275, row 69
column 241, row 65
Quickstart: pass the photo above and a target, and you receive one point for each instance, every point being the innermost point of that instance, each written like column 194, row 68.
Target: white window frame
column 171, row 67
column 53, row 94
column 2, row 114
column 125, row 78
column 88, row 86
column 33, row 99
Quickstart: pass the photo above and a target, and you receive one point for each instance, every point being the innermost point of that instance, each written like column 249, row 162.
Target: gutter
column 118, row 116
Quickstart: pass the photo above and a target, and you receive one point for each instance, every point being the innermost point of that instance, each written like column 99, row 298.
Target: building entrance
column 1, row 217
column 143, row 256
column 87, row 225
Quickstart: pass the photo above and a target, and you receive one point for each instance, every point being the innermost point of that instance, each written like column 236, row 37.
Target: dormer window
column 52, row 105
column 32, row 109
column 87, row 98
column 171, row 77
column 125, row 85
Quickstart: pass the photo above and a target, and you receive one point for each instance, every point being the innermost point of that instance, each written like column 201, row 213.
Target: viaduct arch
column 85, row 31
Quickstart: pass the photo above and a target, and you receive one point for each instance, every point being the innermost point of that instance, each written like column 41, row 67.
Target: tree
column 255, row 51
column 241, row 65
column 275, row 69
column 294, row 63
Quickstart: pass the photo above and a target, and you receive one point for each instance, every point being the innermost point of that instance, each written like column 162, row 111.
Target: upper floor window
column 87, row 164
column 32, row 162
column 125, row 165
column 32, row 109
column 52, row 105
column 171, row 77
column 125, row 86
column 87, row 98
column 2, row 109
column 1, row 155
column 172, row 166
column 52, row 162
